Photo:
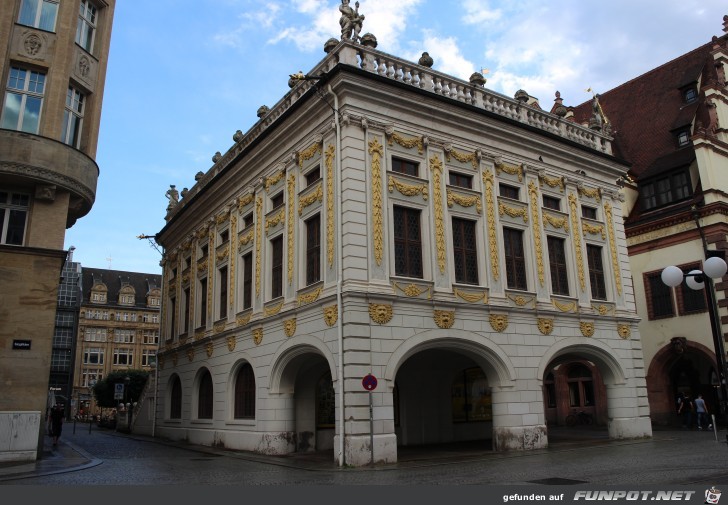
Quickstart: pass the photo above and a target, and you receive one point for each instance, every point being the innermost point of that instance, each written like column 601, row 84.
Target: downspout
column 339, row 277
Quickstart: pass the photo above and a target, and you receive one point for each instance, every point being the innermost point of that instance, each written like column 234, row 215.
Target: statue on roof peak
column 350, row 21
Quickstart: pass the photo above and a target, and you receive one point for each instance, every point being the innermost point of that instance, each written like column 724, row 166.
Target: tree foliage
column 104, row 389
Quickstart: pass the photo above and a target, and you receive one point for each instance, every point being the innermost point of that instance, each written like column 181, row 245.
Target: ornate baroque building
column 118, row 328
column 670, row 126
column 464, row 248
column 53, row 56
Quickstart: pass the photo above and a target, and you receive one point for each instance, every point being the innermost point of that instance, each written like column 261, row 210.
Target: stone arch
column 488, row 355
column 288, row 359
column 659, row 384
column 604, row 356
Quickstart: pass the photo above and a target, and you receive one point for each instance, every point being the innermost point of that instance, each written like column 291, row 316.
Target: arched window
column 245, row 393
column 175, row 401
column 204, row 398
column 581, row 387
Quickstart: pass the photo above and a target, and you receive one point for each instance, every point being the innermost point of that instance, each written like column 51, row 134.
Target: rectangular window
column 248, row 280
column 515, row 259
column 588, row 212
column 557, row 264
column 407, row 242
column 277, row 201
column 203, row 302
column 248, row 220
column 464, row 251
column 507, row 191
column 150, row 337
column 276, row 246
column 690, row 301
column 148, row 357
column 73, row 118
column 596, row 272
column 224, row 236
column 550, row 202
column 405, row 167
column 90, row 377
column 658, row 296
column 461, row 180
column 173, row 317
column 123, row 336
column 187, row 311
column 86, row 28
column 39, row 14
column 683, row 138
column 223, row 288
column 313, row 176
column 95, row 335
column 13, row 217
column 93, row 356
column 23, row 100
column 313, row 250
column 666, row 190
column 123, row 357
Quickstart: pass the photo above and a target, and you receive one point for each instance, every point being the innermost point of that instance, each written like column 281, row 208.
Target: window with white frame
column 73, row 117
column 93, row 356
column 95, row 335
column 150, row 337
column 86, row 29
column 90, row 377
column 13, row 217
column 23, row 100
column 124, row 336
column 39, row 14
column 123, row 357
column 98, row 296
column 148, row 356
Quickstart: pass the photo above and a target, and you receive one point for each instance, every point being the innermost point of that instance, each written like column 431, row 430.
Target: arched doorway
column 571, row 386
column 682, row 366
column 443, row 397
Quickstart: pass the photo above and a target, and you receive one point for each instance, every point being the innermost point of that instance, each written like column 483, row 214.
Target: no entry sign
column 369, row 382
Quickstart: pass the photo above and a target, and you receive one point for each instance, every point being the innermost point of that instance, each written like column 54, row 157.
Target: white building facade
column 464, row 248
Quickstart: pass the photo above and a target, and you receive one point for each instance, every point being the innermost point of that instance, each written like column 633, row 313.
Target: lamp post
column 714, row 267
column 127, row 402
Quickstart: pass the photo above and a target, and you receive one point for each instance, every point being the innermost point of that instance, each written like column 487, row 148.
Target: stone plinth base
column 19, row 435
column 630, row 427
column 520, row 438
column 358, row 453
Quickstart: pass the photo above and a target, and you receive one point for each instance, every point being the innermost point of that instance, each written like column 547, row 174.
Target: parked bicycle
column 579, row 417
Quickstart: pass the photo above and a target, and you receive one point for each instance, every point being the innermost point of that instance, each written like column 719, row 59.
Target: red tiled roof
column 645, row 111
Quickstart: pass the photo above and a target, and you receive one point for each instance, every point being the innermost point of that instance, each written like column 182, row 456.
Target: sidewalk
column 69, row 457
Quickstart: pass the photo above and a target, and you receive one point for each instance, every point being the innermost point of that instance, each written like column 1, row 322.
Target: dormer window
column 690, row 95
column 683, row 138
column 665, row 190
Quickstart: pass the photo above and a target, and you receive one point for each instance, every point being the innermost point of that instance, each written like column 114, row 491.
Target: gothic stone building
column 464, row 248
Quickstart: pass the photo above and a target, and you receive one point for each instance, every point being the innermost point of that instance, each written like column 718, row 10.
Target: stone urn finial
column 426, row 60
column 330, row 44
column 262, row 111
column 521, row 96
column 369, row 40
column 477, row 79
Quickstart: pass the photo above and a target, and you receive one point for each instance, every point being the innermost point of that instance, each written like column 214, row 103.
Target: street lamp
column 714, row 267
column 127, row 402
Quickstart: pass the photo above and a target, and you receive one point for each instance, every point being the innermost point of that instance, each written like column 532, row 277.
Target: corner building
column 53, row 58
column 465, row 248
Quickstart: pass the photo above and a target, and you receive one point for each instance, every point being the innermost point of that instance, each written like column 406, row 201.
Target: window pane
column 16, row 227
column 660, row 297
column 48, row 16
column 596, row 272
column 557, row 264
column 11, row 111
column 515, row 260
column 31, row 115
column 28, row 12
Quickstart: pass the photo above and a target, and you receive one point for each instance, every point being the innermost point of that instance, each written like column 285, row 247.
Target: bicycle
column 580, row 417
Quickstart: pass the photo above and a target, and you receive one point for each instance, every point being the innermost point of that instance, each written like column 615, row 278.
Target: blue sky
column 184, row 75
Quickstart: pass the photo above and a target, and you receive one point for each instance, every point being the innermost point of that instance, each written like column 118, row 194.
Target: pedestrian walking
column 56, row 422
column 701, row 410
column 685, row 410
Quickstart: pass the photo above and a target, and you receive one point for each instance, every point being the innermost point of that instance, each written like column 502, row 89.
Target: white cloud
column 446, row 54
column 478, row 11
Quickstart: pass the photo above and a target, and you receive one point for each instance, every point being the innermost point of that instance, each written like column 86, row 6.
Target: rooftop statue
column 350, row 21
column 173, row 195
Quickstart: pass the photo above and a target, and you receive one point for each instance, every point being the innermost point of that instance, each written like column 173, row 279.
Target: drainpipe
column 339, row 277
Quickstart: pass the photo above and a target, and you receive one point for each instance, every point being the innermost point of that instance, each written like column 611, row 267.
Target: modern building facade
column 386, row 220
column 118, row 329
column 670, row 125
column 53, row 57
column 60, row 383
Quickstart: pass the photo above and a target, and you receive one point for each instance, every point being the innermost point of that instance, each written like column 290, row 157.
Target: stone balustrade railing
column 409, row 73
